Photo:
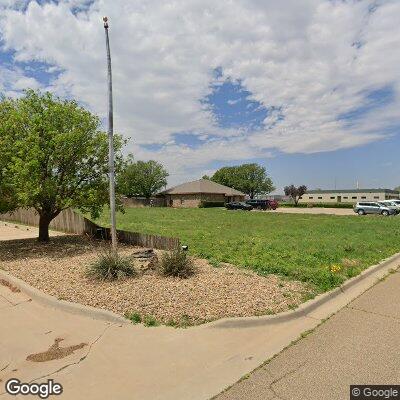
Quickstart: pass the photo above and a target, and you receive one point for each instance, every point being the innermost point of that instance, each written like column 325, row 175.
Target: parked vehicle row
column 384, row 207
column 252, row 204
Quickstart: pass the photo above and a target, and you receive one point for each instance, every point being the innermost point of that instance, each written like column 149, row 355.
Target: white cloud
column 314, row 60
column 233, row 102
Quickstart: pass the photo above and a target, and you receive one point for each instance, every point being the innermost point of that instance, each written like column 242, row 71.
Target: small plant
column 334, row 275
column 172, row 323
column 110, row 266
column 176, row 263
column 149, row 320
column 185, row 321
column 134, row 317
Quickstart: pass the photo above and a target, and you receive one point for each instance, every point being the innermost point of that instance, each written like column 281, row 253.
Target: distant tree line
column 251, row 179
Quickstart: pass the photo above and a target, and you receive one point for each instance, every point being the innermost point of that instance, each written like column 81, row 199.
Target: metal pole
column 110, row 141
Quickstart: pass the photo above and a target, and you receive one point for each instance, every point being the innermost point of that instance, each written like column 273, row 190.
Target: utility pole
column 111, row 141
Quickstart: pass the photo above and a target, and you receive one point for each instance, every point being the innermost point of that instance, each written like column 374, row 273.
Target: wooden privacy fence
column 71, row 222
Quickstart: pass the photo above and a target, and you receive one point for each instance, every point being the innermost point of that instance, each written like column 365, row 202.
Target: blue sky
column 310, row 90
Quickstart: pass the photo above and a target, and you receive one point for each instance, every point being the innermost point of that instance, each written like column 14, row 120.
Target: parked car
column 390, row 205
column 263, row 204
column 235, row 205
column 370, row 207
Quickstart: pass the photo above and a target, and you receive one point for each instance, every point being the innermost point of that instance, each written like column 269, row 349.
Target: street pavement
column 358, row 345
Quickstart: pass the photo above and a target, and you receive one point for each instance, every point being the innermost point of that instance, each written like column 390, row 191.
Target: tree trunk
column 44, row 222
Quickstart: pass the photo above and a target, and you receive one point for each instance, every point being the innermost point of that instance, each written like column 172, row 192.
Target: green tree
column 141, row 178
column 59, row 156
column 7, row 195
column 251, row 179
column 397, row 189
column 295, row 192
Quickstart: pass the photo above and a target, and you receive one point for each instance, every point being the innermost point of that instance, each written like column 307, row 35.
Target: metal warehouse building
column 348, row 195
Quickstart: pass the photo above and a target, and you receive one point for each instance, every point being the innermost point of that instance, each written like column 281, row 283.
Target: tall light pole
column 111, row 141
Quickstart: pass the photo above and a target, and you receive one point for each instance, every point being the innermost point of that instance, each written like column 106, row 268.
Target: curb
column 62, row 305
column 311, row 305
column 236, row 322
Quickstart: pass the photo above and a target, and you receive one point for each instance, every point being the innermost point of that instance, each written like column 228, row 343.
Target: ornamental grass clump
column 111, row 266
column 177, row 264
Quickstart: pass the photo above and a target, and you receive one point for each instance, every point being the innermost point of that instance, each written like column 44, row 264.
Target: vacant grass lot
column 303, row 247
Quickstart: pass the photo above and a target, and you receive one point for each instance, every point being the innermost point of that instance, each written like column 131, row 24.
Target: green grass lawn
column 302, row 247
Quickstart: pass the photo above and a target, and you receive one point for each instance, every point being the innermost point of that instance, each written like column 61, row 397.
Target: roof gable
column 203, row 186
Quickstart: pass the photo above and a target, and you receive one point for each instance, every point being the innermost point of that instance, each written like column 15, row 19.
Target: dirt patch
column 59, row 269
column 7, row 284
column 348, row 263
column 55, row 352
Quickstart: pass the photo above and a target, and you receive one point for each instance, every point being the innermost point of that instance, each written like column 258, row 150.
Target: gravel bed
column 59, row 269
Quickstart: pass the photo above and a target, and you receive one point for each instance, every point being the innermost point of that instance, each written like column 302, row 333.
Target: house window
column 364, row 197
column 181, row 200
column 319, row 198
column 354, row 197
column 310, row 197
column 345, row 197
column 376, row 197
column 332, row 197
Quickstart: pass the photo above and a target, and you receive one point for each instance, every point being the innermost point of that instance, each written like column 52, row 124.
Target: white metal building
column 348, row 195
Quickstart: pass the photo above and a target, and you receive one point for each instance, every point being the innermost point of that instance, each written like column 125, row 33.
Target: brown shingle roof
column 203, row 186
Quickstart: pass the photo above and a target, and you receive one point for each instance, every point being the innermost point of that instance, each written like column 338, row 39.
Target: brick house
column 191, row 194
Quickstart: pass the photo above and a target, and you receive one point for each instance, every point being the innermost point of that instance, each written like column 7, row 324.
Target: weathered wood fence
column 71, row 222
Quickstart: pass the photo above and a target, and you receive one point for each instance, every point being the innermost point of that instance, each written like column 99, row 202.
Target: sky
column 310, row 89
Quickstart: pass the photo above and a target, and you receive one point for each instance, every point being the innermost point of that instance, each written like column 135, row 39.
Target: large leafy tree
column 251, row 179
column 295, row 192
column 57, row 156
column 141, row 178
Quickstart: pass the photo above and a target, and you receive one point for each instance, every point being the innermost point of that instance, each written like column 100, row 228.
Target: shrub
column 176, row 263
column 149, row 320
column 134, row 317
column 210, row 204
column 111, row 266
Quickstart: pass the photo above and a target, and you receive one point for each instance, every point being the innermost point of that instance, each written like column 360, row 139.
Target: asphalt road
column 358, row 345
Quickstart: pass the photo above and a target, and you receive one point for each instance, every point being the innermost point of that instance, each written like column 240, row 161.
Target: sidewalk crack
column 373, row 313
column 283, row 377
column 76, row 362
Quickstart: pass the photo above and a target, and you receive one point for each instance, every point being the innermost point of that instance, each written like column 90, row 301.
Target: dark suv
column 235, row 205
column 263, row 204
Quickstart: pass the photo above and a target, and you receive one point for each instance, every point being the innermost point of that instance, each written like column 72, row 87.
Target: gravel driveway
column 315, row 210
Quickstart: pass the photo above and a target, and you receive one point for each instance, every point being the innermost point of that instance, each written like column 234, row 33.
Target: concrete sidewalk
column 14, row 231
column 358, row 345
